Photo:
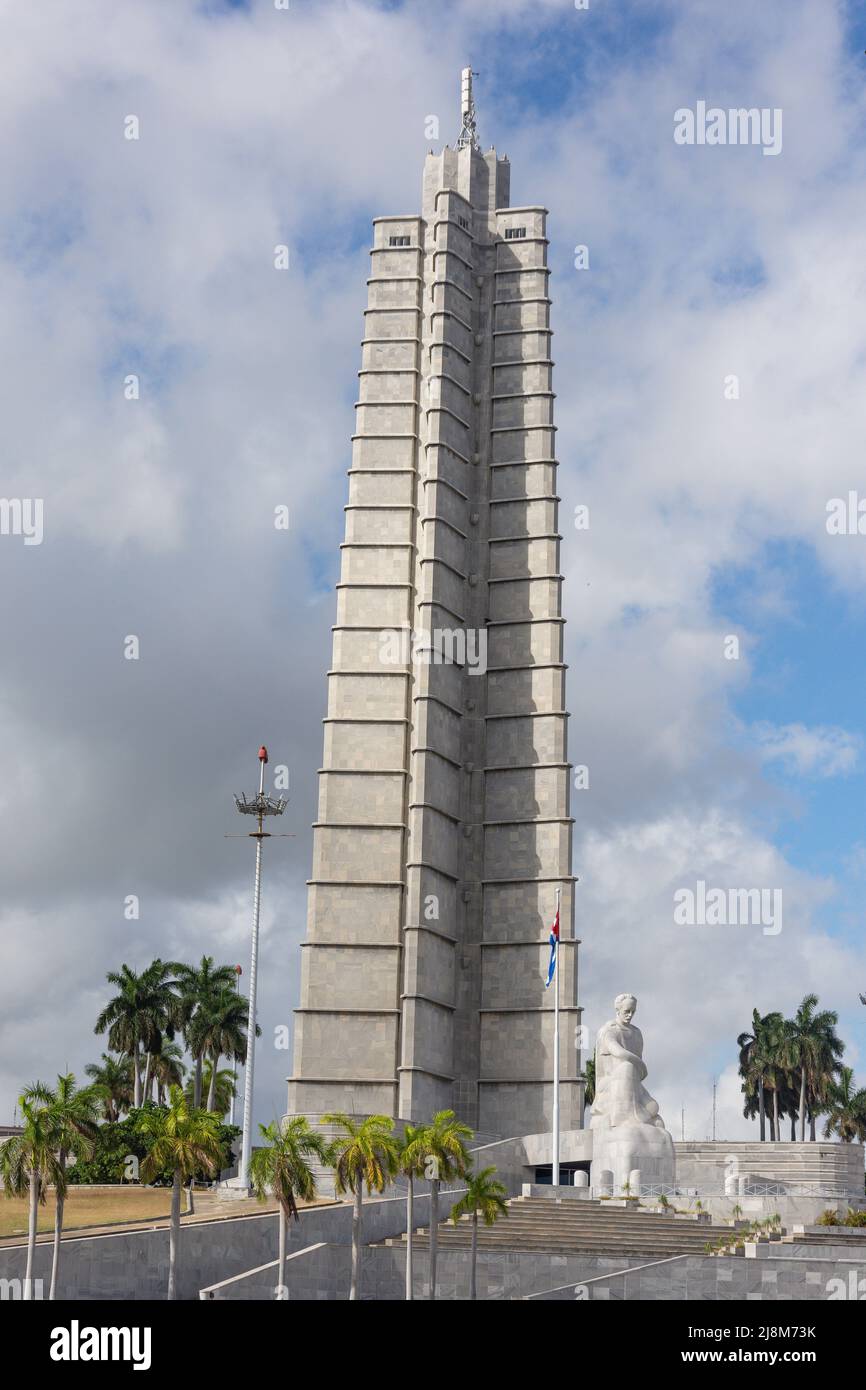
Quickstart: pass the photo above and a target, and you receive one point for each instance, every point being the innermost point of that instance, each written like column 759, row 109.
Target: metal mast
column 259, row 806
column 468, row 129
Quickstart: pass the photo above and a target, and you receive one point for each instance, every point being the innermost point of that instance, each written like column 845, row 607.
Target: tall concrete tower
column 443, row 828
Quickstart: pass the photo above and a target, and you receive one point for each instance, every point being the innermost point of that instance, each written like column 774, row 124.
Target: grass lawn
column 86, row 1208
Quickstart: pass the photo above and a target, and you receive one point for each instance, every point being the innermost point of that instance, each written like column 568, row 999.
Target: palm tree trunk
column 811, row 1126
column 410, row 1207
column 31, row 1233
column 211, row 1090
column 434, row 1234
column 473, row 1268
column 762, row 1113
column 777, row 1133
column 136, row 1059
column 793, row 1130
column 196, row 1092
column 190, row 1209
column 803, row 1105
column 174, row 1237
column 59, row 1201
column 355, row 1289
column 282, row 1291
column 145, row 1090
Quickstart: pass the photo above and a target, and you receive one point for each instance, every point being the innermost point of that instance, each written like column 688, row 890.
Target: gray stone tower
column 443, row 828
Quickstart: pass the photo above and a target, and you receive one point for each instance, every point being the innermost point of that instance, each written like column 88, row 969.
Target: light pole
column 259, row 806
column 238, row 973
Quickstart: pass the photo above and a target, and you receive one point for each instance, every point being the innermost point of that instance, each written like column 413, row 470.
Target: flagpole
column 556, row 1052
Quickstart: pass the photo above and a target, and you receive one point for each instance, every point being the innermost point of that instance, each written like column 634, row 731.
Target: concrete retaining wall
column 134, row 1264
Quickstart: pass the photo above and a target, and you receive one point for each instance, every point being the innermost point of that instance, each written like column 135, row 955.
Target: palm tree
column 757, row 1051
column 220, row 1030
column 589, row 1086
column 199, row 985
column 774, row 1052
column 168, row 1069
column 814, row 1049
column 364, row 1153
column 846, row 1109
column 283, row 1168
column 484, row 1197
column 223, row 1091
column 145, row 1007
column 185, row 1140
column 442, row 1150
column 112, row 1078
column 74, row 1110
column 29, row 1163
column 410, row 1165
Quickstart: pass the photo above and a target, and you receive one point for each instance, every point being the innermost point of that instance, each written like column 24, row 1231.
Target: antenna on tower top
column 468, row 128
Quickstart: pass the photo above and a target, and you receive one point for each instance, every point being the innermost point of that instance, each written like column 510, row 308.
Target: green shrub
column 120, row 1140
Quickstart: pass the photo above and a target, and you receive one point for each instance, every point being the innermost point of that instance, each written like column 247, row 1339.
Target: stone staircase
column 542, row 1225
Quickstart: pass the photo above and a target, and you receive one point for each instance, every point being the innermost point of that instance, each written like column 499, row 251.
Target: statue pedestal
column 626, row 1147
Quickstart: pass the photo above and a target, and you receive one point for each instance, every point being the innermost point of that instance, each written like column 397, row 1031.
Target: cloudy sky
column 711, row 379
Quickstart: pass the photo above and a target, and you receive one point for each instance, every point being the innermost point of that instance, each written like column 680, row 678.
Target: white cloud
column 815, row 752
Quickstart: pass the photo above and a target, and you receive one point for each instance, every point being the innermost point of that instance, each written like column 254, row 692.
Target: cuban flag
column 554, row 943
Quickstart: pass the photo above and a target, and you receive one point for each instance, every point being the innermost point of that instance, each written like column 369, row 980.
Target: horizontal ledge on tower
column 380, row 506
column 439, row 481
column 521, row 429
column 526, row 714
column 543, row 878
column 536, row 536
column 428, row 806
column 529, row 941
column 428, row 999
column 357, row 825
column 524, row 463
column 439, row 1075
column 393, row 671
column 343, row 1081
column 530, row 666
column 433, row 931
column 532, row 820
column 518, row 622
column 529, row 767
column 525, row 578
column 363, row 719
column 434, row 868
column 352, row 945
column 524, row 501
column 529, row 1008
column 392, row 435
column 527, row 1081
column 310, row 1009
column 426, row 748
column 524, row 269
column 366, row 771
column 355, row 883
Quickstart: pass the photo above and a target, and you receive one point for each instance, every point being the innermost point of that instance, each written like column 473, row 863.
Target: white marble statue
column 629, row 1136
